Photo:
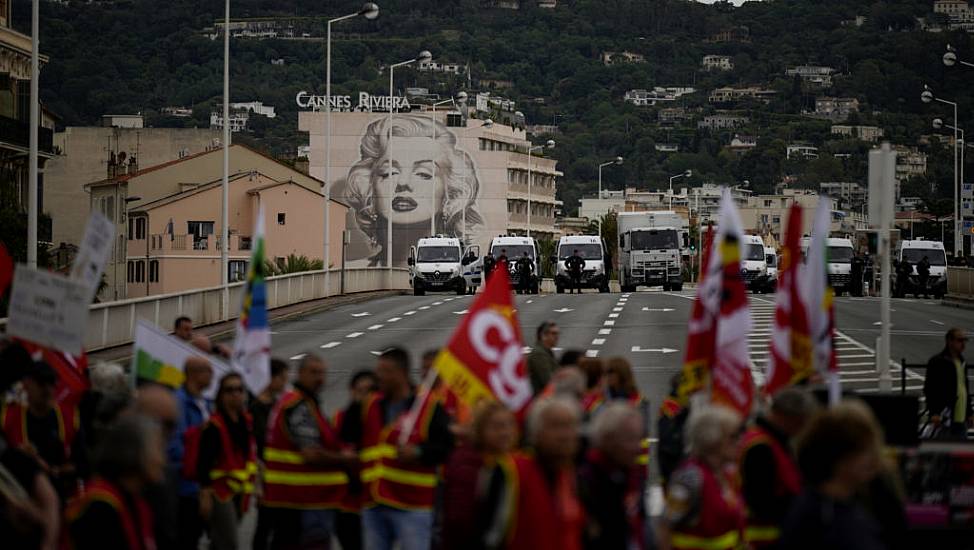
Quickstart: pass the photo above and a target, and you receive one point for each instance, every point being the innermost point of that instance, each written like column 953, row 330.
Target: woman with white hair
column 426, row 179
column 703, row 508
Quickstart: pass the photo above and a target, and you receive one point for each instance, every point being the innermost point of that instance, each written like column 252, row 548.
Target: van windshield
column 665, row 239
column 934, row 256
column 840, row 255
column 513, row 251
column 432, row 254
column 771, row 260
column 754, row 252
column 585, row 251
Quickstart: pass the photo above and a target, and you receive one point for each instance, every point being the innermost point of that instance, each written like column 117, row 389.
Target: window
column 137, row 229
column 200, row 232
column 281, row 218
column 237, row 270
column 140, row 271
column 154, row 271
column 110, row 208
column 130, row 272
column 767, row 203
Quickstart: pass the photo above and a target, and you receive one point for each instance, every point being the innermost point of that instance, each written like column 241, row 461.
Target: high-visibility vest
column 355, row 493
column 389, row 481
column 136, row 524
column 639, row 403
column 760, row 532
column 536, row 518
column 720, row 516
column 592, row 400
column 235, row 471
column 13, row 418
column 289, row 482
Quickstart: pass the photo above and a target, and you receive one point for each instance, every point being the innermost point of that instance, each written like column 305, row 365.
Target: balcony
column 163, row 244
column 15, row 133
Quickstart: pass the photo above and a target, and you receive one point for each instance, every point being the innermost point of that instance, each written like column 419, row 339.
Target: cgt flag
column 791, row 354
column 483, row 359
column 252, row 345
column 701, row 328
column 817, row 296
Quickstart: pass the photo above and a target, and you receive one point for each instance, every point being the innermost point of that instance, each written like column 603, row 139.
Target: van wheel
column 666, row 287
column 418, row 291
column 559, row 289
column 678, row 288
column 536, row 288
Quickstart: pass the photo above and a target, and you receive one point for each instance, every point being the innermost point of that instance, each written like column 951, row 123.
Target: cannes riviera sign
column 366, row 102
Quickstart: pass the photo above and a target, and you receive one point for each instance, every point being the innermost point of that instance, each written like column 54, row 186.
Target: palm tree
column 547, row 248
column 293, row 264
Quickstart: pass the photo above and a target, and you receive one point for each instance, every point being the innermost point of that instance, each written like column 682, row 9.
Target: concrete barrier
column 960, row 282
column 111, row 324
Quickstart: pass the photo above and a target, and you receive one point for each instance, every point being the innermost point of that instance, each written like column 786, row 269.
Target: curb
column 222, row 330
column 961, row 302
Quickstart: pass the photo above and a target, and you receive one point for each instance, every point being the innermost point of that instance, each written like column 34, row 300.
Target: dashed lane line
column 376, row 327
column 297, row 357
column 598, row 341
column 411, row 312
column 330, row 345
column 394, row 320
column 605, row 331
column 354, row 334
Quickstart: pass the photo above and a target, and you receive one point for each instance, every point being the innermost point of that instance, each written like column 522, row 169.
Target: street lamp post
column 225, row 186
column 617, row 161
column 370, row 11
column 423, row 57
column 462, row 96
column 487, row 123
column 35, row 115
column 927, row 96
column 938, row 124
column 550, row 144
column 686, row 174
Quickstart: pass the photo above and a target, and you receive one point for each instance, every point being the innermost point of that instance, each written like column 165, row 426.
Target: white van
column 839, row 256
column 915, row 250
column 754, row 266
column 771, row 260
column 514, row 248
column 590, row 249
column 439, row 264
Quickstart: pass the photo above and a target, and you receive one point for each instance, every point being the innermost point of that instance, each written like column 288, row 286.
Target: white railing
column 960, row 282
column 111, row 324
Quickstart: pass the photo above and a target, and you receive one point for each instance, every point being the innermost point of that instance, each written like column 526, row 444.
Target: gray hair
column 108, row 378
column 124, row 446
column 793, row 402
column 610, row 420
column 569, row 382
column 707, row 427
column 542, row 407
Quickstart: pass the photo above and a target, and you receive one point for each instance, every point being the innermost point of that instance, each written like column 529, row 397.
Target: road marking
column 361, row 314
column 376, row 353
column 529, row 302
column 330, row 345
column 639, row 349
column 525, row 350
column 936, row 322
column 354, row 335
column 605, row 331
column 424, row 307
column 598, row 341
column 592, row 353
column 448, row 299
column 461, row 312
column 613, row 315
column 297, row 357
column 394, row 319
column 662, row 309
column 437, row 303
column 410, row 313
column 617, row 309
column 623, row 300
column 625, row 295
column 609, row 324
column 376, row 327
column 563, row 310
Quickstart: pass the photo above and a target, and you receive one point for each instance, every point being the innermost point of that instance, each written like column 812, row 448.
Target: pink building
column 169, row 233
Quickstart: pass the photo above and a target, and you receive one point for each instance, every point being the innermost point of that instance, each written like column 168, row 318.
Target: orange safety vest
column 289, row 482
column 787, row 481
column 541, row 516
column 235, row 472
column 720, row 515
column 637, row 401
column 136, row 527
column 13, row 418
column 388, row 480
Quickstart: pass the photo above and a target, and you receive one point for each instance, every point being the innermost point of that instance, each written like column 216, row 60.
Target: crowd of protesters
column 411, row 467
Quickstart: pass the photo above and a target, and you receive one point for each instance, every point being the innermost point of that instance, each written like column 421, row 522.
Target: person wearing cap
column 49, row 431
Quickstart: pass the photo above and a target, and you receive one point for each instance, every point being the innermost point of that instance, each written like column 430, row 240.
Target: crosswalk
column 856, row 361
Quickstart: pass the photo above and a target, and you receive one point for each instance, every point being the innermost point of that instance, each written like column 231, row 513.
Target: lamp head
column 518, row 114
column 461, row 97
column 688, row 173
column 618, row 160
column 938, row 123
column 370, row 10
column 487, row 123
column 424, row 56
column 550, row 144
column 926, row 96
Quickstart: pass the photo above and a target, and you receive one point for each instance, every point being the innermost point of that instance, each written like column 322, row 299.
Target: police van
column 513, row 248
column 440, row 264
column 592, row 251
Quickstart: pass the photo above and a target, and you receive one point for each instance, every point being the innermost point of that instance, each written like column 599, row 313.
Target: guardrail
column 960, row 282
column 112, row 324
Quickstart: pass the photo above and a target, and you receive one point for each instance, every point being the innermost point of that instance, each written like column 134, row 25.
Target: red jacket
column 546, row 514
column 720, row 519
column 760, row 532
column 235, row 471
column 136, row 525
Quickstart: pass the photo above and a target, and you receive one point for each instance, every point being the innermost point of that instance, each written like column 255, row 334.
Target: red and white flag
column 717, row 350
column 817, row 296
column 791, row 354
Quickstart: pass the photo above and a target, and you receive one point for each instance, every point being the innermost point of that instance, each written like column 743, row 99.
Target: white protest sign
column 48, row 309
column 159, row 357
column 95, row 249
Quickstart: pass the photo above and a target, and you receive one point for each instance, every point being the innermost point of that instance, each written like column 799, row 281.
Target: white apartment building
column 812, row 74
column 729, row 94
column 722, row 122
column 255, row 107
column 123, row 121
column 238, row 121
column 850, row 193
column 865, row 133
column 801, row 151
column 717, row 62
column 836, row 109
column 434, row 67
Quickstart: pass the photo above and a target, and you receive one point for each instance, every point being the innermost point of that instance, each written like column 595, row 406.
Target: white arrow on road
column 638, row 349
column 361, row 314
column 563, row 310
column 461, row 312
column 658, row 309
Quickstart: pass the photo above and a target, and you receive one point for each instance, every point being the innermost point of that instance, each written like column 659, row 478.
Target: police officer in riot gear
column 574, row 265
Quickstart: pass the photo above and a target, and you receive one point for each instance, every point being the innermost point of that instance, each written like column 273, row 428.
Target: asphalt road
column 647, row 327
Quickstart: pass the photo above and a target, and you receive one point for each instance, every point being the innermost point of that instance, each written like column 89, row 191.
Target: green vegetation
column 292, row 264
column 142, row 55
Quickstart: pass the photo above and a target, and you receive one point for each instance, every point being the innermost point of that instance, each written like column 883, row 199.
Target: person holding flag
column 252, row 345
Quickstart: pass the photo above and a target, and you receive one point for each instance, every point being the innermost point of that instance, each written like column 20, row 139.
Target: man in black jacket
column 574, row 265
column 946, row 388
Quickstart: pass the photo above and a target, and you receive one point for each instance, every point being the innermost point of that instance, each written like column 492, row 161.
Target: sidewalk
column 220, row 331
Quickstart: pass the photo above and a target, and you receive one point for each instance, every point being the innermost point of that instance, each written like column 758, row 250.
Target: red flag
column 72, row 371
column 791, row 352
column 6, row 269
column 700, row 333
column 483, row 359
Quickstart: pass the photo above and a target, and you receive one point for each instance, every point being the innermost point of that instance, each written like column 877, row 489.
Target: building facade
column 450, row 175
column 836, row 109
column 717, row 63
column 865, row 133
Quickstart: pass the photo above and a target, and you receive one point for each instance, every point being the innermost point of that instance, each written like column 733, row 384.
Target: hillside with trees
column 141, row 55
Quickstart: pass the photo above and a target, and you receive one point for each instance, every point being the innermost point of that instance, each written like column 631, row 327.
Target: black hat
column 42, row 373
